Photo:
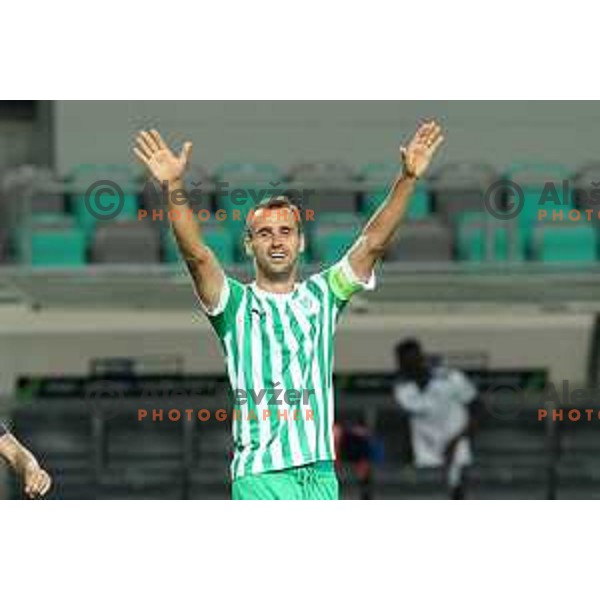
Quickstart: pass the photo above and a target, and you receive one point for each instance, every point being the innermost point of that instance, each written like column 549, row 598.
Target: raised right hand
column 162, row 163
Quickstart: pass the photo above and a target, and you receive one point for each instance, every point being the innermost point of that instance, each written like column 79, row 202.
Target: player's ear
column 248, row 246
column 302, row 243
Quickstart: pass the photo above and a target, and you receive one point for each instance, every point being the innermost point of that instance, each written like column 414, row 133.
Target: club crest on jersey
column 307, row 304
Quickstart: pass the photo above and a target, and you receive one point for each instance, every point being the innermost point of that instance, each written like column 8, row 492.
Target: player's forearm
column 185, row 226
column 380, row 230
column 17, row 456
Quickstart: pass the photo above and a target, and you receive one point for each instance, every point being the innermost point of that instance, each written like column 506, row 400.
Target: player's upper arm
column 207, row 274
column 222, row 313
column 362, row 257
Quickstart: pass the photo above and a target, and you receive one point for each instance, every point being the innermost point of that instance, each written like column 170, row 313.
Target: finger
column 437, row 143
column 433, row 136
column 142, row 157
column 157, row 139
column 403, row 153
column 36, row 485
column 46, row 484
column 150, row 141
column 186, row 152
column 423, row 131
column 144, row 146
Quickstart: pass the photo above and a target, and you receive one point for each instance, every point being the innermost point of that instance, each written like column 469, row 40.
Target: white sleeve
column 344, row 282
column 404, row 399
column 351, row 276
column 221, row 304
column 462, row 389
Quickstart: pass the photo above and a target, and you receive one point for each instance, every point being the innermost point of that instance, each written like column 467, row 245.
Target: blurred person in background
column 358, row 447
column 442, row 407
column 36, row 482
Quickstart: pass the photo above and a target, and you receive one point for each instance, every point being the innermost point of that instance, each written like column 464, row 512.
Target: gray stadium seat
column 125, row 242
column 30, row 186
column 334, row 185
column 588, row 195
column 460, row 187
column 427, row 240
column 196, row 178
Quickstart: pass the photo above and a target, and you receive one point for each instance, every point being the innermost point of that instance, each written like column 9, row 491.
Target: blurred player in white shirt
column 441, row 405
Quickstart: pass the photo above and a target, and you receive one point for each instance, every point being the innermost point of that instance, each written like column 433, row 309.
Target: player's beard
column 278, row 272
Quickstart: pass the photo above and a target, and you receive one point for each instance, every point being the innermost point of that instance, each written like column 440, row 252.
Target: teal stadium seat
column 472, row 230
column 217, row 237
column 332, row 235
column 83, row 176
column 88, row 221
column 52, row 241
column 540, row 182
column 564, row 242
column 378, row 177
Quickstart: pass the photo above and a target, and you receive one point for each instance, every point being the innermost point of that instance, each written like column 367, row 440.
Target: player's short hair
column 274, row 203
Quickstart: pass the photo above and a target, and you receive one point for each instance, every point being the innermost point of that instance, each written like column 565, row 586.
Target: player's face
column 275, row 241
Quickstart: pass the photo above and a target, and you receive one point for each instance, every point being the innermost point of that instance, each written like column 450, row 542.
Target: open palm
column 160, row 160
column 419, row 152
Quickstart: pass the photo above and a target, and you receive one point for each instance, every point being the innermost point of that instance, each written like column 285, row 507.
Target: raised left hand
column 419, row 152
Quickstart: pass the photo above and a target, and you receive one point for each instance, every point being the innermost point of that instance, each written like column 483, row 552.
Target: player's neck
column 276, row 285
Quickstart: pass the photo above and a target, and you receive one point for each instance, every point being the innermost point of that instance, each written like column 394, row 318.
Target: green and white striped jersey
column 279, row 354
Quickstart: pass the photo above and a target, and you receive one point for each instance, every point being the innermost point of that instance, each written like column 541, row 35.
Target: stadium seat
column 332, row 236
column 89, row 218
column 564, row 242
column 460, row 187
column 507, row 240
column 85, row 176
column 217, row 237
column 247, row 184
column 130, row 242
column 427, row 240
column 377, row 178
column 51, row 240
column 588, row 194
column 38, row 188
column 325, row 187
column 542, row 188
column 197, row 183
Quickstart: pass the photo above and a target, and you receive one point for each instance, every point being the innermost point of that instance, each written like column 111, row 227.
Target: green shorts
column 316, row 481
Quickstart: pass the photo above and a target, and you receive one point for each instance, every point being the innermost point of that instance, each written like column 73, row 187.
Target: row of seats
column 446, row 217
column 61, row 242
column 325, row 187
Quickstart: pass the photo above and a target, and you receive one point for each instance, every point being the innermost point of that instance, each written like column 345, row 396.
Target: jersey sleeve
column 222, row 316
column 344, row 283
column 3, row 429
column 463, row 391
column 406, row 400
